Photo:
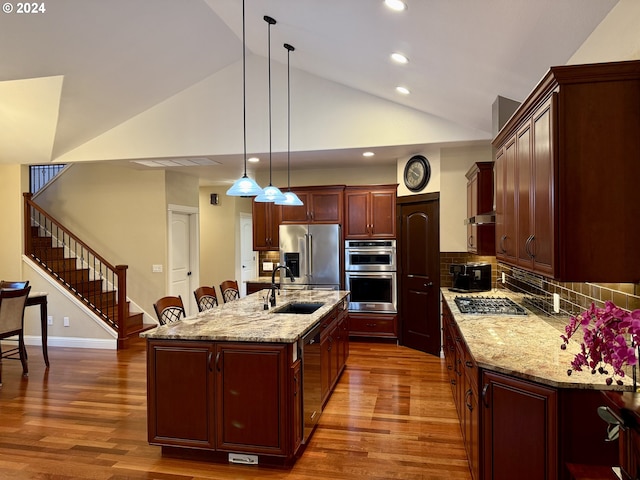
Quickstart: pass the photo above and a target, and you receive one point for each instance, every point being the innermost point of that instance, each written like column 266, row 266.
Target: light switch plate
column 267, row 266
column 156, row 268
column 556, row 302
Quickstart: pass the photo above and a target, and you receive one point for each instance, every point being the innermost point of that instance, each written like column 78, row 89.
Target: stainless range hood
column 480, row 219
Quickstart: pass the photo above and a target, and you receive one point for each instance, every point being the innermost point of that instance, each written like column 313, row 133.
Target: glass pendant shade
column 270, row 194
column 290, row 199
column 244, row 187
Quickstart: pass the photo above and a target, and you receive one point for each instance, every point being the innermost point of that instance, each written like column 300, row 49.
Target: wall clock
column 417, row 173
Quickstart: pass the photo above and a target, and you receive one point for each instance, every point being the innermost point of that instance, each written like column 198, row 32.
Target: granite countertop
column 263, row 280
column 523, row 346
column 245, row 320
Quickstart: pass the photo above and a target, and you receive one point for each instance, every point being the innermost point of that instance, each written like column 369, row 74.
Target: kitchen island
column 226, row 384
column 521, row 415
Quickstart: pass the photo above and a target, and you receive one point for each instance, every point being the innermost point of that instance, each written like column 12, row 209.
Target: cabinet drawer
column 372, row 325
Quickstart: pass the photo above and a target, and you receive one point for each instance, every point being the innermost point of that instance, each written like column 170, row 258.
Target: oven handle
column 389, row 275
column 374, row 251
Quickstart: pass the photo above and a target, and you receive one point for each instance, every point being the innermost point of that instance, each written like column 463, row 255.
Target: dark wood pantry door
column 419, row 272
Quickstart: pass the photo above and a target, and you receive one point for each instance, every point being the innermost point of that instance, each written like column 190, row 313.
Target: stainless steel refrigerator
column 312, row 252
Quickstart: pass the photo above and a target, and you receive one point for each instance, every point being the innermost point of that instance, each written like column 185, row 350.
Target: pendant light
column 290, row 198
column 270, row 193
column 244, row 186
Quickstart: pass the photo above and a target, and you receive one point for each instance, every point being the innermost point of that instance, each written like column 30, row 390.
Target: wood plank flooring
column 391, row 417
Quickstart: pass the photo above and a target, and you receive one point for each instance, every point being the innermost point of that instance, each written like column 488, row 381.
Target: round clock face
column 417, row 173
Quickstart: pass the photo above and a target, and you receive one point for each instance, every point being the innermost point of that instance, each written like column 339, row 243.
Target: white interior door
column 180, row 261
column 247, row 255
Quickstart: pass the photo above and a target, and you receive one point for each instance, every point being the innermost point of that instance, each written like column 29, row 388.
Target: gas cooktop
column 489, row 306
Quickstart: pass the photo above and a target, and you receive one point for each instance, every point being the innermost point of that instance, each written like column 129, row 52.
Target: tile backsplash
column 267, row 257
column 575, row 297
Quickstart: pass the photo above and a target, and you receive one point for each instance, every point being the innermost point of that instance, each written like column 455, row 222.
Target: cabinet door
column 265, row 226
column 325, row 365
column 472, row 429
column 383, row 214
column 326, row 206
column 519, row 425
column 251, row 406
column 472, row 209
column 506, row 202
column 180, row 391
column 297, row 214
column 542, row 245
column 297, row 419
column 524, row 170
column 357, row 215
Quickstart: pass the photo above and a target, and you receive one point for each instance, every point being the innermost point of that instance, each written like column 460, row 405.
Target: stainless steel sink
column 302, row 308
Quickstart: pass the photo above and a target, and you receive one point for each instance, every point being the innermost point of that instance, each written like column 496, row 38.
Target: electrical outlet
column 50, row 320
column 504, row 277
column 65, row 321
column 556, row 302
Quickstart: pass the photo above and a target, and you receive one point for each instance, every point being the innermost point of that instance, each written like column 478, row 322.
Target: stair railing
column 100, row 285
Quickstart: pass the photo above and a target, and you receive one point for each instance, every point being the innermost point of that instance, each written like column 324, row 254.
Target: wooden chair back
column 230, row 290
column 206, row 298
column 11, row 285
column 169, row 309
column 12, row 303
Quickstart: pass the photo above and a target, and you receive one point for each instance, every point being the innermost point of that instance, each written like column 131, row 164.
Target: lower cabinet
column 373, row 325
column 334, row 344
column 227, row 397
column 463, row 377
column 519, row 424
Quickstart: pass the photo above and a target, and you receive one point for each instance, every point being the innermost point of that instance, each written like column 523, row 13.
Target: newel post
column 28, row 238
column 123, row 309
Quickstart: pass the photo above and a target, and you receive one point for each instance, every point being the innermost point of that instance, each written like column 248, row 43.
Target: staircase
column 83, row 272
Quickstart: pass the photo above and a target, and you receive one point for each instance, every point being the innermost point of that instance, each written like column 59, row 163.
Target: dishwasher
column 311, row 380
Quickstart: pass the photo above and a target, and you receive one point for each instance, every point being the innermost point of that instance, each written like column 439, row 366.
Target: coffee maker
column 470, row 277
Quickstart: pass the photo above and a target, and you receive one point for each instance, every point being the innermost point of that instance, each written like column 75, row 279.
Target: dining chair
column 11, row 285
column 12, row 303
column 206, row 298
column 230, row 290
column 169, row 309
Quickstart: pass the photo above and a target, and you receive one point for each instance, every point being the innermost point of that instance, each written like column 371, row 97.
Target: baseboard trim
column 73, row 342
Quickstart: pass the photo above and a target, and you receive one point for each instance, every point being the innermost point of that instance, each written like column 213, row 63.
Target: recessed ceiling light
column 397, row 5
column 368, row 154
column 403, row 90
column 398, row 57
column 253, row 159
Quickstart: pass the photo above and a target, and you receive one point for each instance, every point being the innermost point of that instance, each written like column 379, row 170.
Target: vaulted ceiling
column 83, row 67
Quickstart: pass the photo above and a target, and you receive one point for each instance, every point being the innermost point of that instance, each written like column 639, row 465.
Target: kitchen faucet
column 273, row 282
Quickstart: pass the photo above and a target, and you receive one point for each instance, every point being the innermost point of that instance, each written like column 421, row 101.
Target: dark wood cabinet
column 373, row 325
column 320, row 205
column 224, row 397
column 180, row 391
column 251, row 400
column 481, row 238
column 463, row 378
column 334, row 345
column 253, row 287
column 567, row 164
column 519, row 429
column 266, row 221
column 370, row 212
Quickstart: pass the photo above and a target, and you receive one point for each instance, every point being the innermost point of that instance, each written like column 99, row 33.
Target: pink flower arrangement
column 610, row 337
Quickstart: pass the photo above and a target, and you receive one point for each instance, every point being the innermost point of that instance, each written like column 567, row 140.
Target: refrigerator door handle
column 310, row 256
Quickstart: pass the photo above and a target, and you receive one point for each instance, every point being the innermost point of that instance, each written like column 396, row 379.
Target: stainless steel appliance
column 370, row 275
column 370, row 256
column 312, row 253
column 489, row 306
column 311, row 385
column 372, row 291
column 471, row 277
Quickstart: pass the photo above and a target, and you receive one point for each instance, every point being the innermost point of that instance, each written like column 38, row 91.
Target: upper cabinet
column 567, row 169
column 321, row 205
column 266, row 219
column 480, row 237
column 370, row 212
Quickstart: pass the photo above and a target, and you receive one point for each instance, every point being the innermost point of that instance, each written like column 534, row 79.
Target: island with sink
column 227, row 384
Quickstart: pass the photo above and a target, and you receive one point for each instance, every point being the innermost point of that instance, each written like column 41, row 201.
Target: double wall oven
column 370, row 275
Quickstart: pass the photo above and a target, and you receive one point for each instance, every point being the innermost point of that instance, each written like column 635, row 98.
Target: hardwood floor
column 391, row 417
